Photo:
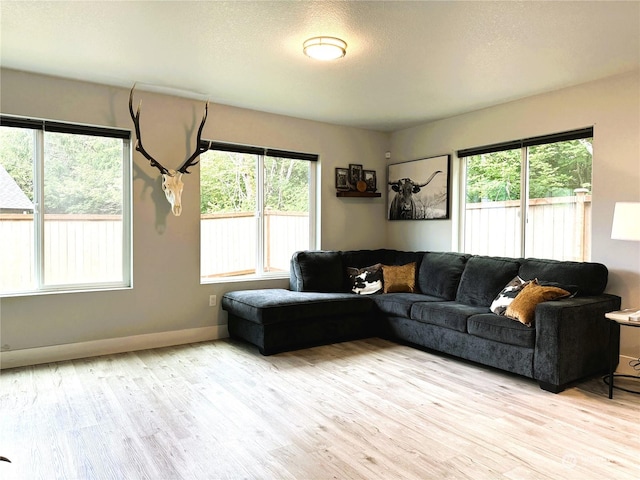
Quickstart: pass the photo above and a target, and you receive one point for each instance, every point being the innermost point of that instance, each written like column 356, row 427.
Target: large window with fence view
column 64, row 222
column 257, row 208
column 529, row 198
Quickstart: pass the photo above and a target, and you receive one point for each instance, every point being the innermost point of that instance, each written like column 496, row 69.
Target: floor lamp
column 626, row 226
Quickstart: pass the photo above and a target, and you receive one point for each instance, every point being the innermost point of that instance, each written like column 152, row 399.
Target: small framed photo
column 355, row 173
column 369, row 177
column 342, row 178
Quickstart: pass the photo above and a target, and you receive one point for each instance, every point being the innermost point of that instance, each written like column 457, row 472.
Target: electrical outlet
column 212, row 300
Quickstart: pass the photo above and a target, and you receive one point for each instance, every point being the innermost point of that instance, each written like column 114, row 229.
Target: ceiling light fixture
column 324, row 48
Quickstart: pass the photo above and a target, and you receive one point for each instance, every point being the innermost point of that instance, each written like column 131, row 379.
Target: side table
column 608, row 379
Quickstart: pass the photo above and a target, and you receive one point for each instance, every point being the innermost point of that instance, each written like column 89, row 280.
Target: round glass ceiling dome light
column 324, row 48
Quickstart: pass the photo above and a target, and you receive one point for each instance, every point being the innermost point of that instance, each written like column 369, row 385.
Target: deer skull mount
column 172, row 184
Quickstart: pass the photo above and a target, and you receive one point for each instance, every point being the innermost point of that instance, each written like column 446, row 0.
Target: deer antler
column 189, row 162
column 136, row 122
column 171, row 179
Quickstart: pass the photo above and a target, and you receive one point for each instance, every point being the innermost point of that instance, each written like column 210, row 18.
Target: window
column 257, row 208
column 548, row 178
column 64, row 221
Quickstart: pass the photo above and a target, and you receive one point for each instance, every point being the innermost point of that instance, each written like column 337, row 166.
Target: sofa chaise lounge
column 448, row 306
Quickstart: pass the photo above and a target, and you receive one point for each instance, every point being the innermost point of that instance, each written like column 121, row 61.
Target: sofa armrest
column 573, row 339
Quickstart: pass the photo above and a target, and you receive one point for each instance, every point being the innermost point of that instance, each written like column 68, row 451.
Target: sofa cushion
column 440, row 273
column 399, row 304
column 364, row 258
column 451, row 315
column 590, row 278
column 572, row 289
column 399, row 278
column 275, row 305
column 501, row 329
column 318, row 271
column 484, row 277
column 396, row 257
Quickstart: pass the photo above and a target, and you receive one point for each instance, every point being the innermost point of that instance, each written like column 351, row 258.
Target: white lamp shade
column 626, row 221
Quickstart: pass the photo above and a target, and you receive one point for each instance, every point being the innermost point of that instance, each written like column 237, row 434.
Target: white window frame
column 261, row 246
column 39, row 127
column 524, row 145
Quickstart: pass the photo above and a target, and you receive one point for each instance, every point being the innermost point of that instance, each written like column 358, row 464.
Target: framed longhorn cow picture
column 419, row 189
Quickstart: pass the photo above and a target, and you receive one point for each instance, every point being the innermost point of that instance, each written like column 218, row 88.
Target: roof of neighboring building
column 11, row 195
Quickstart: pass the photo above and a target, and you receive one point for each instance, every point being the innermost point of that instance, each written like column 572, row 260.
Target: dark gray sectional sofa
column 449, row 312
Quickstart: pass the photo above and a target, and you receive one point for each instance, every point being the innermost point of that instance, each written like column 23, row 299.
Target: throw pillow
column 400, row 278
column 366, row 281
column 524, row 306
column 507, row 295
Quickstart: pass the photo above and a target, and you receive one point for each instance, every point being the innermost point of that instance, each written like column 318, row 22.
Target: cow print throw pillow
column 507, row 295
column 366, row 281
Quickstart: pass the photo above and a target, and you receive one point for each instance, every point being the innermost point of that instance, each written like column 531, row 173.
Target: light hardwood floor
column 368, row 409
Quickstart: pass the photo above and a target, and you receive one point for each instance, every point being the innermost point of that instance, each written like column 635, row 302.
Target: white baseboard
column 72, row 351
column 109, row 346
column 625, row 368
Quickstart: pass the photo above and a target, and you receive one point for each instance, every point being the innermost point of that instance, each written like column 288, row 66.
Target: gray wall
column 167, row 295
column 612, row 106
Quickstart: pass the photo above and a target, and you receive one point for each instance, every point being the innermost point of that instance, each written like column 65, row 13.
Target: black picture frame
column 342, row 178
column 419, row 189
column 355, row 173
column 369, row 177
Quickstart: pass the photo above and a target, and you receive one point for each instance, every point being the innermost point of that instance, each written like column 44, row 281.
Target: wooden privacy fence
column 84, row 249
column 77, row 249
column 557, row 228
column 228, row 242
column 88, row 248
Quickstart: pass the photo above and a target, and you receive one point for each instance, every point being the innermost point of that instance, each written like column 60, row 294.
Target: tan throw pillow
column 524, row 306
column 399, row 278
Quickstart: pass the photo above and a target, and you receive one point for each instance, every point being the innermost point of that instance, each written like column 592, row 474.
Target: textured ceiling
column 407, row 62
